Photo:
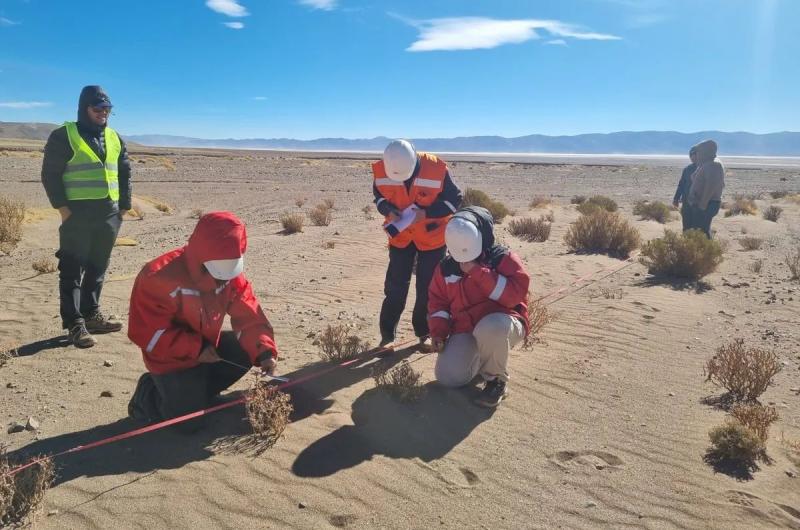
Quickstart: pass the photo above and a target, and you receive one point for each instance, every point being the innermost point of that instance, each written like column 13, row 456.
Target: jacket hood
column 217, row 236
column 90, row 95
column 706, row 151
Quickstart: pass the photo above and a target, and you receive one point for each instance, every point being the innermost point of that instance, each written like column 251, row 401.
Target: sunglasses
column 101, row 110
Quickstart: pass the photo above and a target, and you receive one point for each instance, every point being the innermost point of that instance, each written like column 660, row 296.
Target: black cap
column 93, row 96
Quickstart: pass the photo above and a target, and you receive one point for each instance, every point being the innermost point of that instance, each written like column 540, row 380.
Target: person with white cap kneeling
column 178, row 305
column 477, row 306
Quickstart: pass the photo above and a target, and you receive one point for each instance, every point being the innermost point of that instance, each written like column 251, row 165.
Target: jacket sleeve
column 508, row 285
column 448, row 201
column 383, row 205
column 151, row 325
column 251, row 324
column 683, row 185
column 57, row 152
column 124, row 177
column 439, row 317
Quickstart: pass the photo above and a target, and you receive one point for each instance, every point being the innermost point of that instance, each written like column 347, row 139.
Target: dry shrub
column 196, row 213
column 6, row 354
column 44, row 265
column 292, row 222
column 744, row 372
column 540, row 202
column 795, row 198
column 657, row 211
column 530, row 229
column 401, row 382
column 602, row 232
column 166, row 163
column 578, row 199
column 773, row 213
column 137, row 212
column 12, row 213
column 268, row 410
column 778, row 194
column 735, row 443
column 742, row 206
column 688, row 255
column 329, row 203
column 300, row 201
column 338, row 345
column 550, row 217
column 755, row 417
column 600, row 201
column 793, row 262
column 473, row 197
column 751, row 243
column 22, row 493
column 539, row 316
column 320, row 215
column 756, row 266
column 163, row 207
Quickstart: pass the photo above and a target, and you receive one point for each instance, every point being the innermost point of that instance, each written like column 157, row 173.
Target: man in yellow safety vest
column 86, row 174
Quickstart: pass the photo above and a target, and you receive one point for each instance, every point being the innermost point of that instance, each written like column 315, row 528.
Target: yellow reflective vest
column 86, row 176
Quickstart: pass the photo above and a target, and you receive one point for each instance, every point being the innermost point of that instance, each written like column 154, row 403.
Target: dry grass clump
column 600, row 201
column 540, row 202
column 321, row 215
column 539, row 316
column 688, row 255
column 338, row 345
column 793, row 262
column 163, row 207
column 795, row 198
column 401, row 382
column 166, row 163
column 268, row 410
column 300, row 201
column 755, row 417
column 778, row 194
column 292, row 223
column 657, row 211
column 44, row 265
column 578, row 199
column 773, row 213
column 530, row 229
column 602, row 232
column 368, row 215
column 744, row 372
column 550, row 217
column 12, row 213
column 22, row 493
column 751, row 243
column 756, row 266
column 473, row 197
column 329, row 203
column 196, row 213
column 733, row 442
column 136, row 211
column 6, row 354
column 742, row 206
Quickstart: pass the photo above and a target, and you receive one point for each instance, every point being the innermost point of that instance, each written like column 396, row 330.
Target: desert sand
column 606, row 425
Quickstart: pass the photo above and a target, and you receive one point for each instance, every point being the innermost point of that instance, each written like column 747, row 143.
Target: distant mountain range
column 641, row 142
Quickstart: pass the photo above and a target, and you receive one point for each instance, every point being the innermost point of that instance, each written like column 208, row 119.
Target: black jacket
column 450, row 194
column 683, row 185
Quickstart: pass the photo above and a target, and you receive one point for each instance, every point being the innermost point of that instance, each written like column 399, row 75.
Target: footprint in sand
column 342, row 521
column 772, row 511
column 597, row 460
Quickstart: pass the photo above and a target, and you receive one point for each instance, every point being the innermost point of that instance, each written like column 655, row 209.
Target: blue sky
column 413, row 68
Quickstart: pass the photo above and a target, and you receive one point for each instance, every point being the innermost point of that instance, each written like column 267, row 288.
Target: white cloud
column 471, row 33
column 8, row 22
column 233, row 25
column 232, row 8
column 24, row 104
column 259, row 98
column 557, row 42
column 325, row 5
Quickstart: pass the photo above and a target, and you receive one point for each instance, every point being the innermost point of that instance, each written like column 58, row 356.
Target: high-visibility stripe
column 427, row 183
column 450, row 205
column 498, row 288
column 221, row 287
column 441, row 314
column 154, row 340
column 379, row 201
column 74, row 168
column 453, row 278
column 86, row 184
column 183, row 290
column 387, row 182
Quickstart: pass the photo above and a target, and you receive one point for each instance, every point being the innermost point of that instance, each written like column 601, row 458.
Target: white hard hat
column 225, row 269
column 463, row 239
column 400, row 160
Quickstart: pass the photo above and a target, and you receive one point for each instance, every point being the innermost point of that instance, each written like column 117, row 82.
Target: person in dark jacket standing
column 416, row 195
column 682, row 192
column 86, row 174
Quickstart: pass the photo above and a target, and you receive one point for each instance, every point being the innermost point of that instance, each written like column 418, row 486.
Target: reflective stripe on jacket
column 426, row 186
column 86, row 176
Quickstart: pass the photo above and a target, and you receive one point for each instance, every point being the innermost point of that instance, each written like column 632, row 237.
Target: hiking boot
column 425, row 345
column 143, row 404
column 493, row 393
column 80, row 337
column 385, row 348
column 97, row 322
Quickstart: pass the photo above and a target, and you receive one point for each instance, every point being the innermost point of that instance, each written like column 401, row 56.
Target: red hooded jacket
column 177, row 306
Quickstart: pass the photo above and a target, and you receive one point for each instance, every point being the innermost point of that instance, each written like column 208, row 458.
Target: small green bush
column 473, row 197
column 733, row 442
column 773, row 213
column 602, row 232
column 603, row 202
column 657, row 211
column 689, row 255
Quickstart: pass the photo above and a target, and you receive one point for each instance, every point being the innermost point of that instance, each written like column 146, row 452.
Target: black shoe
column 97, row 322
column 80, row 337
column 493, row 393
column 143, row 406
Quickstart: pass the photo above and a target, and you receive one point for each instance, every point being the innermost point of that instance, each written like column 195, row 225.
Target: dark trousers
column 166, row 396
column 395, row 288
column 86, row 239
column 687, row 216
column 704, row 217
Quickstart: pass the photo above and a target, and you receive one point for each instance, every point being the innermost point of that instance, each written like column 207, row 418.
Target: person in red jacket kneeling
column 178, row 304
column 477, row 306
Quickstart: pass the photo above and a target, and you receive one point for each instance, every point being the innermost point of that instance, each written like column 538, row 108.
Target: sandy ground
column 605, row 427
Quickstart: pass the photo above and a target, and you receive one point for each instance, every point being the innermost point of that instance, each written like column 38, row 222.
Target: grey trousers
column 484, row 351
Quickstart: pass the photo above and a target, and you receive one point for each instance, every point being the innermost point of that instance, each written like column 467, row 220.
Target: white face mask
column 225, row 269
